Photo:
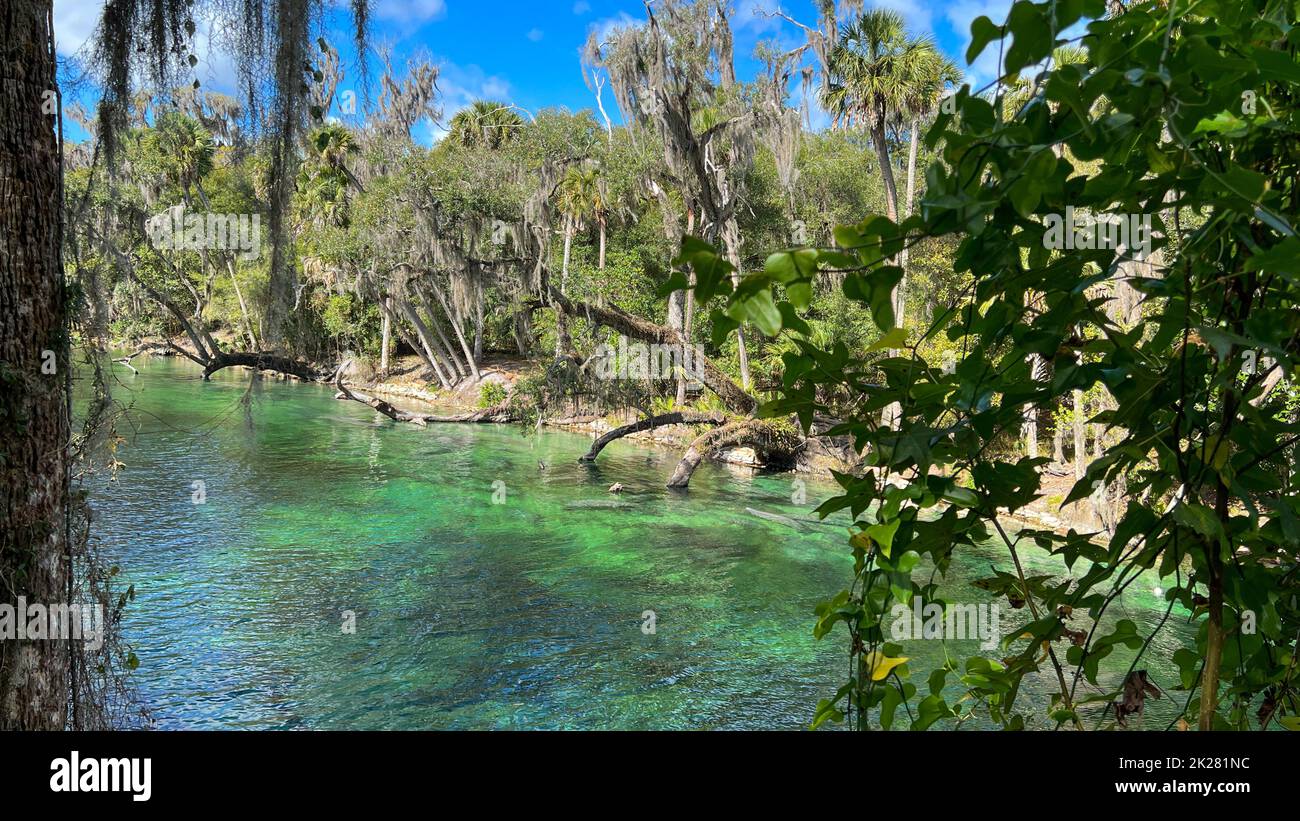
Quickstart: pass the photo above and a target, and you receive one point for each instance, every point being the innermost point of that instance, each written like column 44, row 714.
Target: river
column 484, row 591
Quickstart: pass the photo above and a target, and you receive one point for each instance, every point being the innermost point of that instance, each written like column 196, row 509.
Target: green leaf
column 1276, row 65
column 758, row 308
column 894, row 338
column 982, row 32
column 883, row 534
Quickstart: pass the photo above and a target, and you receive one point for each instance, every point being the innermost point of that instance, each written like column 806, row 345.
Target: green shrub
column 491, row 394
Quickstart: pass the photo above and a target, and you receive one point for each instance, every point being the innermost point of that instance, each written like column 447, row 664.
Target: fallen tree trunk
column 497, row 413
column 386, row 408
column 649, row 423
column 732, row 395
column 262, row 362
column 771, row 443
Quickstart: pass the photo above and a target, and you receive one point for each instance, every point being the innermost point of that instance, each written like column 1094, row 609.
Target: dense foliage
column 1186, row 113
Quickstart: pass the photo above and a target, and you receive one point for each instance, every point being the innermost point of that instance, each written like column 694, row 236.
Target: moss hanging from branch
column 268, row 38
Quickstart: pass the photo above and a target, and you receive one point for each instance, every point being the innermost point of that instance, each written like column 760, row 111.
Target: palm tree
column 577, row 196
column 187, row 153
column 324, row 176
column 485, row 124
column 877, row 75
column 580, row 199
column 185, row 148
column 331, row 145
column 935, row 73
column 875, row 71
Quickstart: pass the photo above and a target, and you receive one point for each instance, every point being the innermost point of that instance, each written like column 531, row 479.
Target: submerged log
column 649, row 423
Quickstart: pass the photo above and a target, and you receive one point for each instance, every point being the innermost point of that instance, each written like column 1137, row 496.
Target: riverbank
column 408, row 386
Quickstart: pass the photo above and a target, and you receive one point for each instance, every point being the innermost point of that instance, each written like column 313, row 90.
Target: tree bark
column 455, row 327
column 688, row 310
column 731, row 239
column 422, row 333
column 497, row 414
column 34, row 479
column 562, row 332
column 243, row 306
column 892, row 414
column 386, row 338
column 886, row 168
column 445, row 347
column 1080, row 445
column 601, row 262
column 262, row 362
column 903, row 256
column 1037, row 372
column 478, row 321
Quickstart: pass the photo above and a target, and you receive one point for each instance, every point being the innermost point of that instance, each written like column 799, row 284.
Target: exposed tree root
column 773, row 444
column 675, row 418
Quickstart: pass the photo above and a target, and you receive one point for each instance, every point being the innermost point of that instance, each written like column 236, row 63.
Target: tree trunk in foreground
column 900, row 295
column 1080, row 445
column 892, row 414
column 600, row 265
column 500, row 413
column 731, row 239
column 34, row 675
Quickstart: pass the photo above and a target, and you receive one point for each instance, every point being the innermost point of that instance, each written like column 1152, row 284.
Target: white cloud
column 959, row 15
column 460, row 86
column 416, row 12
column 918, row 16
column 604, row 28
column 581, row 7
column 922, row 17
column 74, row 22
column 536, row 35
column 757, row 17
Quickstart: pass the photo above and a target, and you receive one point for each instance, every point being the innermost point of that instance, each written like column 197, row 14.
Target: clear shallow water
column 470, row 614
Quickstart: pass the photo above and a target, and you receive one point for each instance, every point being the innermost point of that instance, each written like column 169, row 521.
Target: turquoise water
column 529, row 613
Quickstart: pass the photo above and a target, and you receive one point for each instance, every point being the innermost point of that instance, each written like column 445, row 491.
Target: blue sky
column 527, row 52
